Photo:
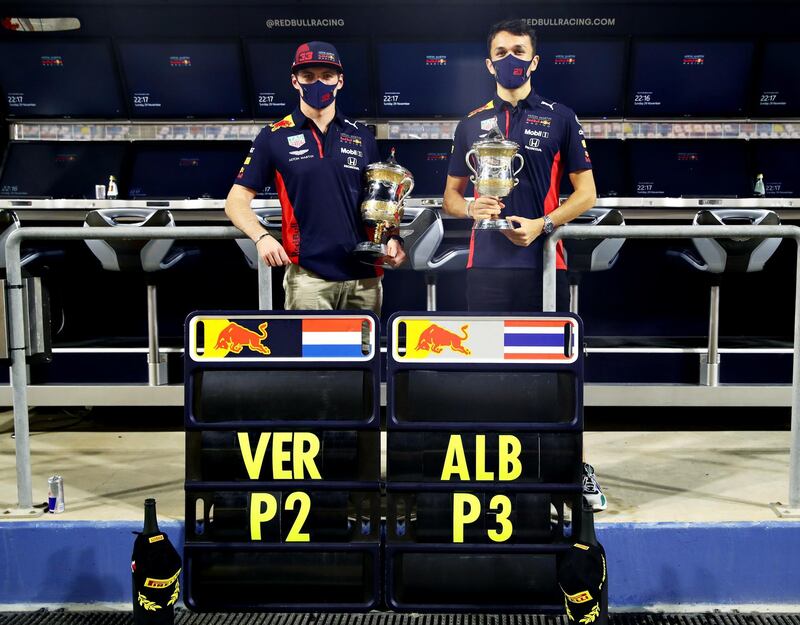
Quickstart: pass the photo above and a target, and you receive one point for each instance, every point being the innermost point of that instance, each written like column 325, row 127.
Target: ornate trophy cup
column 494, row 173
column 388, row 184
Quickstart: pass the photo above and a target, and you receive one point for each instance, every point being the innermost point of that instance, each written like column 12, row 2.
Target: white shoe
column 592, row 494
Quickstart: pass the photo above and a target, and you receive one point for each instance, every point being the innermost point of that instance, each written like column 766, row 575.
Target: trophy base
column 368, row 252
column 492, row 224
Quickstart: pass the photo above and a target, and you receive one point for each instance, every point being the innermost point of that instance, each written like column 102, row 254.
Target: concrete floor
column 647, row 476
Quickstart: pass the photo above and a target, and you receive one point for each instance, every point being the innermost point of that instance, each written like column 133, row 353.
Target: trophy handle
column 521, row 162
column 410, row 183
column 469, row 164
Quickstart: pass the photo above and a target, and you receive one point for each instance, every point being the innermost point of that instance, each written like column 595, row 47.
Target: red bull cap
column 316, row 53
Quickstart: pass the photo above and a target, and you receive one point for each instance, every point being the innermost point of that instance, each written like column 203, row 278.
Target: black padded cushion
column 129, row 252
column 738, row 251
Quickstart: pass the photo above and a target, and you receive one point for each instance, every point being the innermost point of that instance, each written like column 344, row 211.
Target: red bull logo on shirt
column 538, row 120
column 286, row 122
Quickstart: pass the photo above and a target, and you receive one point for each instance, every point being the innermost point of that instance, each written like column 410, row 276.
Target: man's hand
column 486, row 207
column 526, row 232
column 272, row 252
column 395, row 254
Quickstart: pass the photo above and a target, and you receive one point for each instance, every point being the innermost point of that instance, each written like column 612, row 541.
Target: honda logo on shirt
column 533, row 144
column 352, row 161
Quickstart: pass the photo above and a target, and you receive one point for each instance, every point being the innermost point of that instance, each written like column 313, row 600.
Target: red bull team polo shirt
column 319, row 181
column 551, row 142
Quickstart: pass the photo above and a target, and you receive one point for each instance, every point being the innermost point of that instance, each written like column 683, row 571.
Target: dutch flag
column 332, row 338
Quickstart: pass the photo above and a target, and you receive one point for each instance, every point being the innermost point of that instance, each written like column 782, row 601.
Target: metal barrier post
column 19, row 371
column 264, row 285
column 688, row 232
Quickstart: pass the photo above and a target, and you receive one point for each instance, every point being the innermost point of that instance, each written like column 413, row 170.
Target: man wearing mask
column 505, row 267
column 315, row 158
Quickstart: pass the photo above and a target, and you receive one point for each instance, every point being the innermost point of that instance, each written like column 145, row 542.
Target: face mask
column 511, row 72
column 318, row 95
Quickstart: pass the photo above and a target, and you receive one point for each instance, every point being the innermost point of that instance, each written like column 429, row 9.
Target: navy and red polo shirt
column 551, row 142
column 319, row 180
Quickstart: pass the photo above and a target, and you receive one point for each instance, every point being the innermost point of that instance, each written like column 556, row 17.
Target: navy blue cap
column 316, row 53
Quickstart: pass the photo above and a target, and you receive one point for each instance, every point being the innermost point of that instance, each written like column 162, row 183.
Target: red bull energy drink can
column 55, row 494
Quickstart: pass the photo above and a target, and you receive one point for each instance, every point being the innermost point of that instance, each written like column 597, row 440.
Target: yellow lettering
column 304, row 455
column 466, row 510
column 455, row 461
column 502, row 505
column 481, row 474
column 510, row 465
column 253, row 462
column 295, row 535
column 263, row 508
column 281, row 455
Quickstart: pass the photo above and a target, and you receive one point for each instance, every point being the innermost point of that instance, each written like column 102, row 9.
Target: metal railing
column 19, row 377
column 694, row 232
column 19, row 371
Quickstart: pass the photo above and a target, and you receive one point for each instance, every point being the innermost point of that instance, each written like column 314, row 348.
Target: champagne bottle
column 155, row 573
column 582, row 575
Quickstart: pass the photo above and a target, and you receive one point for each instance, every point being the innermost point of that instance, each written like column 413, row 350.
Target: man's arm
column 455, row 205
column 237, row 208
column 582, row 199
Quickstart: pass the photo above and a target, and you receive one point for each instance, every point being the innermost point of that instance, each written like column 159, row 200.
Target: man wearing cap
column 505, row 272
column 314, row 158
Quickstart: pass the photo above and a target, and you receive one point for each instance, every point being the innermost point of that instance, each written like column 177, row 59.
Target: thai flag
column 537, row 339
column 332, row 338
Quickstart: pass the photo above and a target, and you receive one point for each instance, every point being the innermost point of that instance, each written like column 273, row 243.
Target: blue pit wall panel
column 83, row 562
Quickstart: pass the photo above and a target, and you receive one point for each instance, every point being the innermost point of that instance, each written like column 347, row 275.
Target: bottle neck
column 587, row 535
column 150, row 519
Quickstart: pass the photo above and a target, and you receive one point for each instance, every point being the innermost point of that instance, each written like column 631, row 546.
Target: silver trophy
column 493, row 172
column 388, row 184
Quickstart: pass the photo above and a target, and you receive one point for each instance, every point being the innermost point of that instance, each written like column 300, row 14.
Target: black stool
column 718, row 256
column 585, row 255
column 423, row 232
column 138, row 256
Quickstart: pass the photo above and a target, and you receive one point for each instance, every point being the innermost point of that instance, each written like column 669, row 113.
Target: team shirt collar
column 302, row 121
column 529, row 102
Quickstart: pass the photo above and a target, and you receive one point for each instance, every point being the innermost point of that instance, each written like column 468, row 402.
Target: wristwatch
column 549, row 226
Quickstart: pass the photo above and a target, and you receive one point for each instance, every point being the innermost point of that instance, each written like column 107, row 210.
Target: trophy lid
column 391, row 165
column 494, row 140
column 497, row 143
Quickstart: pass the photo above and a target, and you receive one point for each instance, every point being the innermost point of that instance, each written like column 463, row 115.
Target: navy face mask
column 511, row 72
column 318, row 95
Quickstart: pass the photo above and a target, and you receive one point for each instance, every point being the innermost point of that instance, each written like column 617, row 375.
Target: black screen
column 691, row 78
column 59, row 79
column 778, row 82
column 59, row 169
column 690, row 168
column 779, row 161
column 184, row 79
column 270, row 71
column 185, row 169
column 432, row 79
column 609, row 167
column 587, row 76
column 426, row 160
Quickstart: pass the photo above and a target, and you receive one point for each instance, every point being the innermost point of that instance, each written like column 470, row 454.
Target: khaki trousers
column 306, row 290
